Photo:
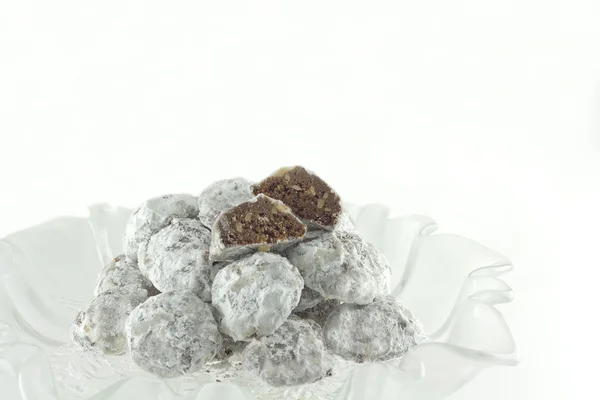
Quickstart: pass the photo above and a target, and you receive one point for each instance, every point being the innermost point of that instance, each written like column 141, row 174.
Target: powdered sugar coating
column 254, row 295
column 345, row 223
column 308, row 299
column 284, row 179
column 220, row 251
column 342, row 266
column 294, row 354
column 379, row 331
column 176, row 258
column 122, row 273
column 172, row 334
column 102, row 324
column 153, row 215
column 220, row 196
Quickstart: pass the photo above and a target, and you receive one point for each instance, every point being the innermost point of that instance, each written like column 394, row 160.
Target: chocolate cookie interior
column 261, row 220
column 309, row 196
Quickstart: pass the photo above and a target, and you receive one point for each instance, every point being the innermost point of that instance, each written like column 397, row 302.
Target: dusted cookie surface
column 294, row 354
column 102, row 324
column 172, row 334
column 309, row 196
column 345, row 223
column 220, row 196
column 176, row 258
column 123, row 273
column 254, row 295
column 379, row 331
column 259, row 224
column 154, row 214
column 342, row 266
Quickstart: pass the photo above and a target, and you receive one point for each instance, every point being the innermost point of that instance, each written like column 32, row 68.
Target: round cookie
column 293, row 355
column 176, row 258
column 309, row 196
column 254, row 295
column 220, row 196
column 102, row 324
column 122, row 273
column 342, row 266
column 153, row 215
column 172, row 334
column 379, row 331
column 261, row 223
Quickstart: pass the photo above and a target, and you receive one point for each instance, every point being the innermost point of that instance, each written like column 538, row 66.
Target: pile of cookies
column 273, row 272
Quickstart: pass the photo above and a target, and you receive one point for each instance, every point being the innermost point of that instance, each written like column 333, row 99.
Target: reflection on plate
column 48, row 272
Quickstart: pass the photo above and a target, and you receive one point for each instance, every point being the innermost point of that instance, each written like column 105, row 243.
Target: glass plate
column 48, row 272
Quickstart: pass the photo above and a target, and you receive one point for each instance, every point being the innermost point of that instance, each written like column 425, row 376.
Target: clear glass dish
column 48, row 272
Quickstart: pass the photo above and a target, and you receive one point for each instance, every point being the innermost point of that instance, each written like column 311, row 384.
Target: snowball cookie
column 293, row 355
column 254, row 295
column 308, row 299
column 176, row 258
column 102, row 324
column 220, row 196
column 379, row 331
column 309, row 196
column 342, row 266
column 172, row 334
column 153, row 215
column 122, row 273
column 261, row 223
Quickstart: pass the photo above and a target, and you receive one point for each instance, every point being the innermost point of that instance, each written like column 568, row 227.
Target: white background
column 482, row 114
